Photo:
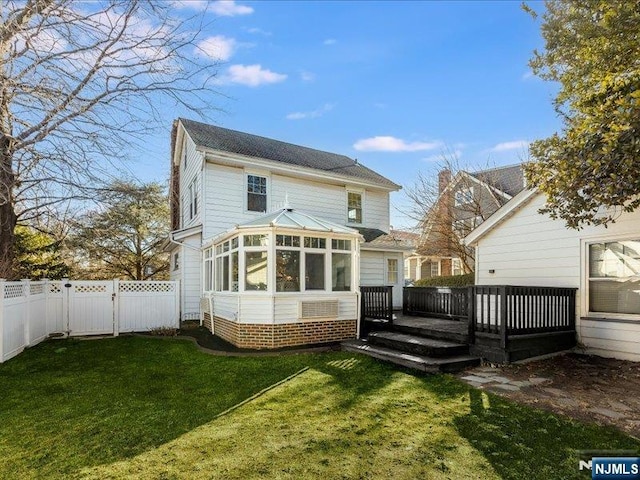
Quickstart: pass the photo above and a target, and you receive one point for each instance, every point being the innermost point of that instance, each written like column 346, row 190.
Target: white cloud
column 393, row 144
column 229, row 8
column 218, row 47
column 307, row 76
column 327, row 107
column 330, row 41
column 223, row 8
column 527, row 75
column 251, row 75
column 380, row 105
column 514, row 145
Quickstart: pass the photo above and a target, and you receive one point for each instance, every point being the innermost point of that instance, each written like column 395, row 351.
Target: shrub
column 453, row 281
column 164, row 331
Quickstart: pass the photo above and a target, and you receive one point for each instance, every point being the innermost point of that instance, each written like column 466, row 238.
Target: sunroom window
column 340, row 272
column 226, row 267
column 256, row 277
column 292, row 257
column 287, row 271
column 614, row 277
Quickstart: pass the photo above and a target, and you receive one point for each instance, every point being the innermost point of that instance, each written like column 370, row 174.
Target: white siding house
column 519, row 246
column 223, row 180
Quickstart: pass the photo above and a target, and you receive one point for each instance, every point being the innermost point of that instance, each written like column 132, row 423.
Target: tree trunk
column 8, row 216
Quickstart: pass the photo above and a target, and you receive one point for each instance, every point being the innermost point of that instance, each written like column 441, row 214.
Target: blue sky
column 393, row 84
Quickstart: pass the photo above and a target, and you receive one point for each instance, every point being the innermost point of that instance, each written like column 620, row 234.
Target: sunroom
column 283, row 279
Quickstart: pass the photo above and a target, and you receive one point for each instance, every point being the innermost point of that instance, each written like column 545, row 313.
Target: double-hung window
column 354, row 207
column 392, row 270
column 193, row 198
column 256, row 193
column 614, row 277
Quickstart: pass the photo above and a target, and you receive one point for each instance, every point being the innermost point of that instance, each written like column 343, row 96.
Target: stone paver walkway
column 588, row 388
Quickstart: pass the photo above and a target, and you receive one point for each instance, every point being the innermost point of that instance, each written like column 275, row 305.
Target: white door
column 90, row 307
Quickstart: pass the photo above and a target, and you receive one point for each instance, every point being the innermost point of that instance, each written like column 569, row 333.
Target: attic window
column 464, row 196
column 256, row 193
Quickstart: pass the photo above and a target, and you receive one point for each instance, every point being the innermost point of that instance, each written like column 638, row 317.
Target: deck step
column 417, row 362
column 418, row 345
column 437, row 332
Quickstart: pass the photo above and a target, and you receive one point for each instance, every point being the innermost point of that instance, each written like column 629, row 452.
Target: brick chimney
column 444, row 177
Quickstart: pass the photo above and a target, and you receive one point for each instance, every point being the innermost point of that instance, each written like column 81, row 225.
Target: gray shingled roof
column 509, row 179
column 223, row 139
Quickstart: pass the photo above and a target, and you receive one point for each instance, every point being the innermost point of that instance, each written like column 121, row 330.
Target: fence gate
column 90, row 307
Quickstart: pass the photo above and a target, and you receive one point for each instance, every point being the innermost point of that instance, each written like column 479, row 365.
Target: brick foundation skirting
column 248, row 335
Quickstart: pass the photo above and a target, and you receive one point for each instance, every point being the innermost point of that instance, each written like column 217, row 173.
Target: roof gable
column 233, row 141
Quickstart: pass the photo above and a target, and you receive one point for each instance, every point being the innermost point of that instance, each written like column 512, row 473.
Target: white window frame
column 246, row 191
column 456, row 265
column 585, row 244
column 437, row 264
column 362, row 204
column 463, row 196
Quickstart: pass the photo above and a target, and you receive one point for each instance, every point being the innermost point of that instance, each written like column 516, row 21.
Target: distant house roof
column 226, row 140
column 509, row 180
column 395, row 239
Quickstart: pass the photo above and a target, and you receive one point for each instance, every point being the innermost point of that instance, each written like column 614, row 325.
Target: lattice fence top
column 55, row 288
column 13, row 290
column 36, row 288
column 139, row 287
column 93, row 288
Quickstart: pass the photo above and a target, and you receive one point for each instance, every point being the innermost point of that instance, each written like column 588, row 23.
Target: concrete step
column 419, row 345
column 456, row 334
column 417, row 362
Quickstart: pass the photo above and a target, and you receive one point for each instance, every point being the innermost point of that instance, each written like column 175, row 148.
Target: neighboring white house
column 265, row 228
column 519, row 246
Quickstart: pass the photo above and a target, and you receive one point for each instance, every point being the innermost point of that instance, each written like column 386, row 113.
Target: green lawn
column 150, row 408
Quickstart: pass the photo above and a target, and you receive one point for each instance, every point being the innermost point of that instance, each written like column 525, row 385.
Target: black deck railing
column 377, row 303
column 436, row 301
column 497, row 310
column 516, row 310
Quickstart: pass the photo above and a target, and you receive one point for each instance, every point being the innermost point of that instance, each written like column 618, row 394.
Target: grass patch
column 151, row 408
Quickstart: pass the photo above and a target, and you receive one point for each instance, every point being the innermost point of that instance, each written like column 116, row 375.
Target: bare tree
column 448, row 206
column 81, row 82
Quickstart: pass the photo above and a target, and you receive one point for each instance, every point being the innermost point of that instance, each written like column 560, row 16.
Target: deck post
column 471, row 314
column 405, row 301
column 502, row 291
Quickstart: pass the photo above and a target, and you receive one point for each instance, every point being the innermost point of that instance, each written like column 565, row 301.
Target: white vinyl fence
column 30, row 311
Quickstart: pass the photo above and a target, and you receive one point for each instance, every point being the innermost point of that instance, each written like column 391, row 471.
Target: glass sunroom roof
column 289, row 218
